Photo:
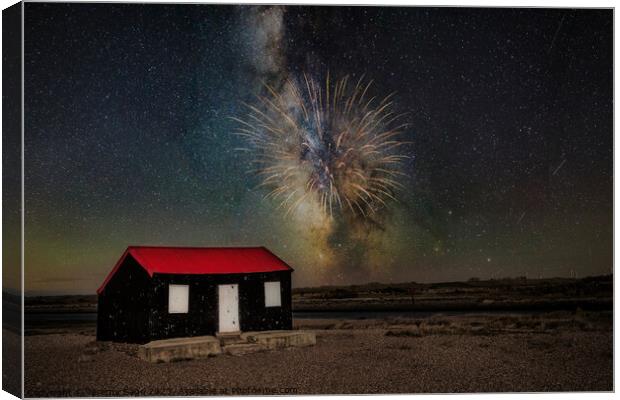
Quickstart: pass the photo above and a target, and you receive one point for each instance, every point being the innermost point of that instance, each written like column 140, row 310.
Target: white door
column 228, row 296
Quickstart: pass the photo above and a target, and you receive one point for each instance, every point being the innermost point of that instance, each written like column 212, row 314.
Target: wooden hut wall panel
column 125, row 305
column 254, row 315
column 202, row 317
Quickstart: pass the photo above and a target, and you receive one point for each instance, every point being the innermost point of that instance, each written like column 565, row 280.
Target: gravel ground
column 348, row 358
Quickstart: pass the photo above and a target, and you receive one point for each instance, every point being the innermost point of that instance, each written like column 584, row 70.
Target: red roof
column 201, row 260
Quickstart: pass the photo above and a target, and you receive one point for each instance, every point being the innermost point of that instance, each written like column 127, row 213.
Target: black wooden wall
column 202, row 317
column 124, row 306
column 134, row 307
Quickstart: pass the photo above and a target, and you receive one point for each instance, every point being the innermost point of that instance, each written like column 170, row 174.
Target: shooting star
column 558, row 168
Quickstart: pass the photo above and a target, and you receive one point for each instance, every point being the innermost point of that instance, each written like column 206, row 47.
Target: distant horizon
column 473, row 278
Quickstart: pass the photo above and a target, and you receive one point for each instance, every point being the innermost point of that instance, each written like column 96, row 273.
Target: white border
column 23, row 205
column 496, row 3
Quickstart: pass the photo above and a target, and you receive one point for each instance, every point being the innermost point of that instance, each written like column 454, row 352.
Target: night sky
column 128, row 138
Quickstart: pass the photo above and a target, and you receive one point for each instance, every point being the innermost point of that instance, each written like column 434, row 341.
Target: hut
column 164, row 292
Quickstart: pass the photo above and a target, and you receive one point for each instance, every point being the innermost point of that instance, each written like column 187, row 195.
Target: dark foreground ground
column 559, row 351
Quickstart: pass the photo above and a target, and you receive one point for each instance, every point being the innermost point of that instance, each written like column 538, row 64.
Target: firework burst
column 329, row 143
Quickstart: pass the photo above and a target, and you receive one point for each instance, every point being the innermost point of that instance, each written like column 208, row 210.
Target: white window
column 178, row 299
column 272, row 294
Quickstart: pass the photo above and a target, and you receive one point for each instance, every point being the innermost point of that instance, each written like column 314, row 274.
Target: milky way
column 129, row 140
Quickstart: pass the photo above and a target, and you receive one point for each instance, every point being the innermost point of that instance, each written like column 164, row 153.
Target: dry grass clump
column 491, row 324
column 479, row 324
column 578, row 321
column 413, row 332
column 438, row 327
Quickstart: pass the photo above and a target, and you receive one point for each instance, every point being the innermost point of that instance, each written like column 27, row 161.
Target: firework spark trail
column 330, row 143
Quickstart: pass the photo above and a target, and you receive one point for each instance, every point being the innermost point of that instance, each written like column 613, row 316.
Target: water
column 61, row 317
column 368, row 314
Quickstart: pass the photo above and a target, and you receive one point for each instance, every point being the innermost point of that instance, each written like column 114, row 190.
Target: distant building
column 163, row 292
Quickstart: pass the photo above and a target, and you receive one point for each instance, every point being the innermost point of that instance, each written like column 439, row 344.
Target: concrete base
column 235, row 344
column 229, row 338
column 240, row 349
column 280, row 339
column 180, row 349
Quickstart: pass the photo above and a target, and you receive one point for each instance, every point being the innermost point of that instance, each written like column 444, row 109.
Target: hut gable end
column 123, row 307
